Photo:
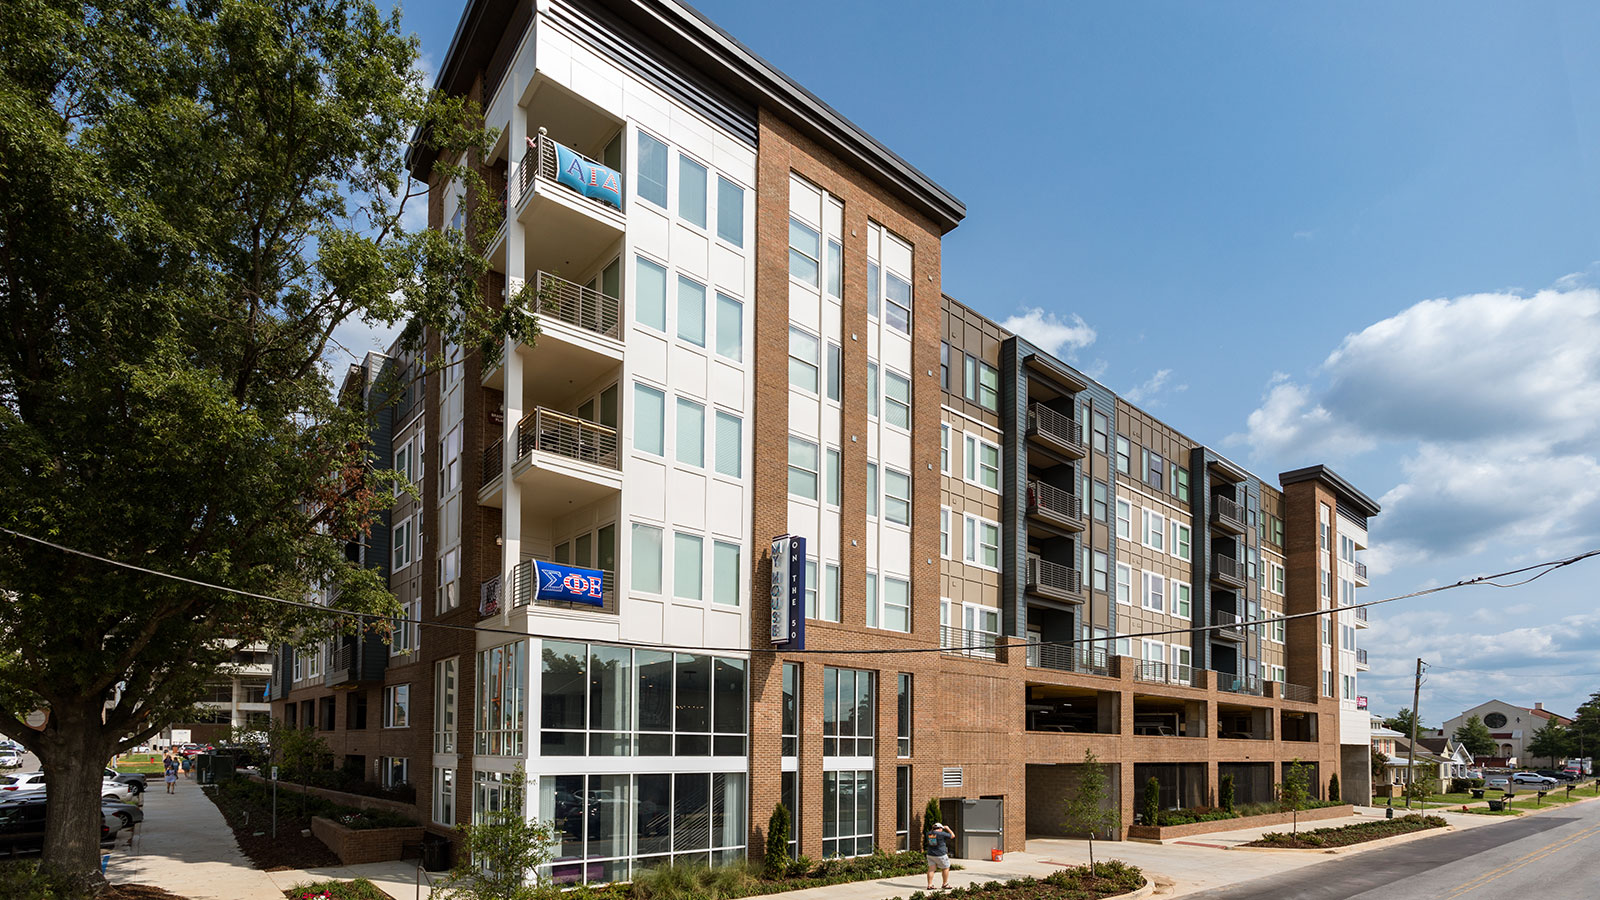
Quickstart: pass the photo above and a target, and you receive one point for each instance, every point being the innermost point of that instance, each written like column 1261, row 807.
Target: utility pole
column 1416, row 722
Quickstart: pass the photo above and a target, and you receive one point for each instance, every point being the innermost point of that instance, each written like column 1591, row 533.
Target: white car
column 33, row 783
column 1533, row 778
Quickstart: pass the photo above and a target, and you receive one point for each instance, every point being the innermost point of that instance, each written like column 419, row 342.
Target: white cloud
column 1146, row 392
column 1049, row 332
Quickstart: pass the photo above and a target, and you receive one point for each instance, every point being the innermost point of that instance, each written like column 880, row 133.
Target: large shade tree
column 193, row 197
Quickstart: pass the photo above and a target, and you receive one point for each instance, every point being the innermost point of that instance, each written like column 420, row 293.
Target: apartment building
column 235, row 701
column 744, row 360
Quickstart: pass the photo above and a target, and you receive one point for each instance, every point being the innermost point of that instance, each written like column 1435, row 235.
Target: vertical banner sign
column 588, row 178
column 789, row 592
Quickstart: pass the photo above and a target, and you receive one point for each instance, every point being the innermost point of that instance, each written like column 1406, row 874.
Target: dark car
column 134, row 780
column 22, row 826
column 1552, row 773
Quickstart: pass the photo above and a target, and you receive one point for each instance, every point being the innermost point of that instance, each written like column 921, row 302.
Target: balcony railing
column 540, row 161
column 1049, row 500
column 1227, row 570
column 1164, row 673
column 1228, row 625
column 1361, row 613
column 1239, row 684
column 1361, row 571
column 1361, row 657
column 1227, row 514
column 1053, row 579
column 521, row 591
column 577, row 305
column 1046, row 423
column 493, row 459
column 966, row 642
column 1299, row 692
column 549, row 431
column 1069, row 659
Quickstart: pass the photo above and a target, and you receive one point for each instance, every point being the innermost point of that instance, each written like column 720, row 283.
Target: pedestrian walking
column 169, row 766
column 188, row 766
column 937, row 845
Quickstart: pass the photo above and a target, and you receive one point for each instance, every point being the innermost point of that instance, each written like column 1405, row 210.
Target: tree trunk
column 72, row 753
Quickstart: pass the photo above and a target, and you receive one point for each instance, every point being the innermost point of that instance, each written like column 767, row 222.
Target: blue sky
column 1364, row 234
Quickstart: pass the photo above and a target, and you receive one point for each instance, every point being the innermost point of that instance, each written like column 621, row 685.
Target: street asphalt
column 1549, row 856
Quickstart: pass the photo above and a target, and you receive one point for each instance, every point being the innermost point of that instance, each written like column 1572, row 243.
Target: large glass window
column 611, row 828
column 649, row 420
column 730, row 327
column 502, row 688
column 646, row 562
column 847, row 813
column 444, row 706
column 691, row 311
column 803, row 360
column 791, row 709
column 691, row 433
column 902, row 807
column 725, row 574
column 903, row 715
column 730, row 445
column 652, row 170
column 396, row 706
column 805, row 253
column 802, row 468
column 650, row 294
column 848, row 712
column 691, row 191
column 730, row 212
column 444, row 796
column 688, row 566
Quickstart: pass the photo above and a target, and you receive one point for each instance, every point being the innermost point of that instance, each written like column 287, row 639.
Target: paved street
column 1549, row 856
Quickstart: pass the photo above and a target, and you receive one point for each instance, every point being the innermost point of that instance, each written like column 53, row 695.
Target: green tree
column 1585, row 728
column 1333, row 787
column 504, row 852
column 777, row 858
column 1550, row 741
column 1089, row 808
column 1402, row 722
column 931, row 814
column 1225, row 796
column 1152, row 801
column 193, row 198
column 1380, row 764
column 1295, row 790
column 1475, row 736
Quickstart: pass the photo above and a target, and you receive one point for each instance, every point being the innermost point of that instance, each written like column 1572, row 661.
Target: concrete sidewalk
column 185, row 846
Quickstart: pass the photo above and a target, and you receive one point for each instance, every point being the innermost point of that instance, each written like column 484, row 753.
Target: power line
column 1486, row 580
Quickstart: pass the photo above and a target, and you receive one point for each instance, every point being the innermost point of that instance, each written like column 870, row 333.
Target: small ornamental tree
column 1550, row 741
column 504, row 853
column 931, row 814
column 1088, row 808
column 777, row 858
column 1152, row 802
column 1333, row 787
column 1294, row 792
column 1225, row 793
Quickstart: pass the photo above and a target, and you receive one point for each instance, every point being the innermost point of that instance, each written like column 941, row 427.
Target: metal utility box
column 211, row 768
column 979, row 825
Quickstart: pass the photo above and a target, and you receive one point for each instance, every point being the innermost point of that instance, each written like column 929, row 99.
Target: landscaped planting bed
column 1108, row 879
column 247, row 806
column 360, row 889
column 1345, row 835
column 698, row 882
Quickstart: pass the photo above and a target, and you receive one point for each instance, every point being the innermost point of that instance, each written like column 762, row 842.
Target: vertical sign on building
column 789, row 592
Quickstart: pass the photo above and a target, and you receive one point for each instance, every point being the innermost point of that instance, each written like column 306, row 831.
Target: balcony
column 1227, row 516
column 1164, row 673
column 564, row 462
column 1054, row 507
column 1227, row 572
column 967, row 642
column 1228, row 627
column 1361, row 575
column 1239, row 684
column 1069, row 659
column 1055, row 432
column 1299, row 693
column 523, row 591
column 579, row 342
column 1361, row 617
column 356, row 660
column 1361, row 661
column 1054, row 581
column 569, row 205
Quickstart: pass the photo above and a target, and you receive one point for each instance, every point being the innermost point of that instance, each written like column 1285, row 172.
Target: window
column 730, row 445
column 896, row 496
column 688, row 566
column 449, row 589
column 502, row 690
column 1181, row 658
column 402, row 545
column 397, row 706
column 802, row 360
column 650, row 294
column 1099, row 429
column 830, row 592
column 872, row 490
column 1181, row 591
column 1327, row 682
column 1180, row 541
column 812, row 589
column 730, row 327
column 1349, row 686
column 848, row 713
column 1275, row 530
column 897, row 303
column 847, row 812
column 944, row 532
column 944, row 365
column 1324, row 523
column 982, row 543
column 835, row 269
column 1276, row 628
column 691, row 312
column 1124, row 455
column 874, row 290
column 649, row 420
column 450, row 462
column 897, row 399
column 1155, row 530
column 872, row 389
column 1098, row 506
column 988, row 387
column 1124, row 520
column 444, row 706
column 982, row 462
column 646, row 562
column 982, row 624
column 805, row 252
column 1124, row 584
column 1155, row 469
column 802, row 468
column 652, row 170
column 402, row 464
column 394, row 771
column 791, row 709
column 1275, row 581
column 903, row 714
column 835, row 372
column 896, row 605
column 1099, row 565
column 1153, row 597
column 444, row 796
column 944, row 448
column 835, row 477
column 1180, row 483
column 407, row 629
column 730, row 212
column 725, row 574
column 872, row 600
column 691, row 433
column 1327, row 630
column 691, row 191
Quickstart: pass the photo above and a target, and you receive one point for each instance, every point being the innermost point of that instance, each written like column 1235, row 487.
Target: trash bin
column 435, row 853
column 1496, row 805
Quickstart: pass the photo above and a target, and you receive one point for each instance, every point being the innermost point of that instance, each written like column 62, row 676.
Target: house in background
column 1458, row 760
column 1512, row 727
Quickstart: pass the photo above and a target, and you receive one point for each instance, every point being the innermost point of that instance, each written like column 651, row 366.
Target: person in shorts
column 937, row 845
column 169, row 767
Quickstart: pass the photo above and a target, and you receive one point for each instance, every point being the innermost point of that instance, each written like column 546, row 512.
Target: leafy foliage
column 502, row 853
column 359, row 889
column 1089, row 809
column 1295, row 789
column 700, row 882
column 777, row 857
column 1402, row 722
column 1345, row 835
column 1106, row 879
column 1152, row 801
column 1333, row 787
column 1550, row 741
column 1225, row 796
column 1475, row 736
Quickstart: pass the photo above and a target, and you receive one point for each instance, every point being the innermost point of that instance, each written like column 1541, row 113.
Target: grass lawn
column 1485, row 811
column 147, row 763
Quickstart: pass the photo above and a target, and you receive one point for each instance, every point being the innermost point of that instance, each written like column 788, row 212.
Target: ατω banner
column 588, row 178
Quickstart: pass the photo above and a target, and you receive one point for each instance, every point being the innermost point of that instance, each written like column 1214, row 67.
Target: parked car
column 10, row 759
column 134, row 780
column 1497, row 783
column 1573, row 771
column 1554, row 773
column 1533, row 778
column 33, row 783
column 126, row 814
column 22, row 826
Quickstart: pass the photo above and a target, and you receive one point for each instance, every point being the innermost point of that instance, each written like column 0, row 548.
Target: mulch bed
column 251, row 821
column 1110, row 879
column 137, row 892
column 1345, row 835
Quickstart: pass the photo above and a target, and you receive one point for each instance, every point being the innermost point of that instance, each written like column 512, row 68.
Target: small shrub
column 1333, row 787
column 1152, row 801
column 359, row 889
column 1226, row 793
column 777, row 857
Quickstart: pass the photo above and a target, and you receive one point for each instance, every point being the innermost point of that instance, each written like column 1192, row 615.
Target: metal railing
column 1361, row 613
column 1361, row 657
column 1044, row 497
column 1164, row 673
column 1361, row 571
column 493, row 459
column 540, row 161
column 1043, row 573
column 1299, row 692
column 577, row 305
column 1227, row 512
column 1046, row 422
column 1227, row 622
column 521, row 591
column 1227, row 567
column 342, row 659
column 565, row 435
column 1068, row 659
column 966, row 642
column 1239, row 684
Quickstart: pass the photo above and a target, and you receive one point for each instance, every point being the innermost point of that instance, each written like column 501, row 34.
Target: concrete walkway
column 185, row 846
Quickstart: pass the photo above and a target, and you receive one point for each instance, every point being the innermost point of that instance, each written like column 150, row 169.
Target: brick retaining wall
column 359, row 801
column 355, row 846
